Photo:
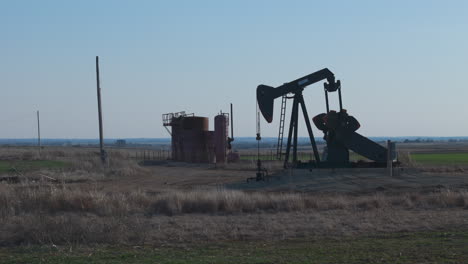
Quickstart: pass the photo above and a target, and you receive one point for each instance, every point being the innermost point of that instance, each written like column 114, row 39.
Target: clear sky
column 403, row 64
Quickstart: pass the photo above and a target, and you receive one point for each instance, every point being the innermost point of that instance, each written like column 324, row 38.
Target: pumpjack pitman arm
column 267, row 94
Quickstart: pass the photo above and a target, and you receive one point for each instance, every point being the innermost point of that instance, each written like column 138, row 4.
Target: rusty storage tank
column 210, row 146
column 189, row 140
column 221, row 136
column 195, row 123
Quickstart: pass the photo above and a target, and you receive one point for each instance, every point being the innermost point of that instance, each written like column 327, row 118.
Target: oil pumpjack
column 339, row 127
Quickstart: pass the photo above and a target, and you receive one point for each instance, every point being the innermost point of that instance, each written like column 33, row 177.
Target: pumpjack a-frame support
column 293, row 130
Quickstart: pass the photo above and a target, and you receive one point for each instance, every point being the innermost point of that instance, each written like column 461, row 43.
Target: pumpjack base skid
column 327, row 165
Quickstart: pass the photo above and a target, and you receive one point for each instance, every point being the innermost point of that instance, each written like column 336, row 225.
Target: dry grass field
column 65, row 199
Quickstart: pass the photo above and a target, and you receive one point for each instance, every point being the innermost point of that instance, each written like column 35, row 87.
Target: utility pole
column 38, row 133
column 101, row 137
column 390, row 158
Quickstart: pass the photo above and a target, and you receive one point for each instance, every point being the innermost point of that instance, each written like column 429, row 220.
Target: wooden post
column 38, row 134
column 389, row 158
column 101, row 137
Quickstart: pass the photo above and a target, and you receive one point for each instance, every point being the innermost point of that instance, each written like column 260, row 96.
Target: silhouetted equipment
column 221, row 136
column 266, row 96
column 232, row 156
column 120, row 143
column 231, row 139
column 101, row 137
column 340, row 134
column 261, row 173
column 279, row 146
column 192, row 141
column 38, row 133
column 338, row 127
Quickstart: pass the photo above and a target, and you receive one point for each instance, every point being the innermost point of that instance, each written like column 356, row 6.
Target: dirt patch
column 356, row 181
column 177, row 176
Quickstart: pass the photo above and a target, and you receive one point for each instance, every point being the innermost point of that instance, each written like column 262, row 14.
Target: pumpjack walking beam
column 266, row 96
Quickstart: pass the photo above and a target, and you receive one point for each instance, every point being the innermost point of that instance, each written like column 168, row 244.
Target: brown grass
column 53, row 199
column 82, row 163
column 71, row 228
column 39, row 214
column 404, row 157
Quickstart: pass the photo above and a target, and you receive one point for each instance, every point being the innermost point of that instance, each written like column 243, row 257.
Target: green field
column 440, row 158
column 30, row 165
column 428, row 247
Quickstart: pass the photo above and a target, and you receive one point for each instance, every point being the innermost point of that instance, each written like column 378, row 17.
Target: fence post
column 389, row 158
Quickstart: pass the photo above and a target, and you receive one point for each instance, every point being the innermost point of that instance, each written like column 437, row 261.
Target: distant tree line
column 430, row 140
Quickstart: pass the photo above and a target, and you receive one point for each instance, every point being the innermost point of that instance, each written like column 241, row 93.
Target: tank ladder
column 279, row 146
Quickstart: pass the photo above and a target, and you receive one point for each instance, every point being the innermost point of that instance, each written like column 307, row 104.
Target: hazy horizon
column 402, row 64
column 239, row 138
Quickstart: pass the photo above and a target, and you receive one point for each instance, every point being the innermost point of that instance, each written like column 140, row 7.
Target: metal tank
column 190, row 139
column 221, row 137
